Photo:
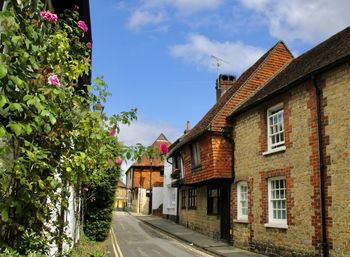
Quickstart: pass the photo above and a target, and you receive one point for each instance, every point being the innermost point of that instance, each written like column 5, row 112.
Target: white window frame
column 242, row 197
column 275, row 112
column 280, row 200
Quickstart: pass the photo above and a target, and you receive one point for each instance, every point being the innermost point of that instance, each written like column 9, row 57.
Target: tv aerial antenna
column 218, row 62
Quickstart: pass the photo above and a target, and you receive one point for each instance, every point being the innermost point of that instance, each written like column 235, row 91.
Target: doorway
column 225, row 212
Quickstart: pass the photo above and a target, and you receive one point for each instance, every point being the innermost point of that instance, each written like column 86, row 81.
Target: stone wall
column 293, row 163
column 198, row 219
column 336, row 120
column 299, row 163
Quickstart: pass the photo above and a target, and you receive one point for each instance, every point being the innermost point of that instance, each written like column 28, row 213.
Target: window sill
column 276, row 150
column 276, row 225
column 192, row 208
column 241, row 221
column 196, row 168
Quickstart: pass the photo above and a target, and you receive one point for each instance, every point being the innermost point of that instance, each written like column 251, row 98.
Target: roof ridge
column 264, row 60
column 161, row 137
column 328, row 53
column 259, row 88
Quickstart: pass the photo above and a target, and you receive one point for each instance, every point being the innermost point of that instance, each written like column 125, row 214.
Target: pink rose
column 164, row 149
column 112, row 132
column 89, row 45
column 82, row 25
column 119, row 160
column 53, row 80
column 49, row 16
column 86, row 189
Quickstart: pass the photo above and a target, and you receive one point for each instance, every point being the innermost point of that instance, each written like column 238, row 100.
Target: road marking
column 116, row 247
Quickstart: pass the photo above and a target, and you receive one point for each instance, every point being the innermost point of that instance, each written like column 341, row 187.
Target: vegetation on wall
column 54, row 134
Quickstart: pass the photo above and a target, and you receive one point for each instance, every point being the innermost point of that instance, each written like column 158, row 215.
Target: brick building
column 292, row 157
column 205, row 152
column 142, row 176
column 291, row 151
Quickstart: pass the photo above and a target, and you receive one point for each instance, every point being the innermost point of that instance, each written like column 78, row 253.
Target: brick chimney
column 188, row 127
column 223, row 83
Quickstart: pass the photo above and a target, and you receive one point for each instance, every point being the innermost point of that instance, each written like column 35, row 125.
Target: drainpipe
column 325, row 246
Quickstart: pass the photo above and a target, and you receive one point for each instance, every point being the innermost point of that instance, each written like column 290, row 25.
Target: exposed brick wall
column 250, row 206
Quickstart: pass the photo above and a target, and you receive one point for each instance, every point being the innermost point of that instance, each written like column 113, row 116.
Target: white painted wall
column 169, row 193
column 157, row 197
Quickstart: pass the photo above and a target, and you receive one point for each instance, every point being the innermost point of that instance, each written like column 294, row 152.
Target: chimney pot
column 188, row 127
column 223, row 83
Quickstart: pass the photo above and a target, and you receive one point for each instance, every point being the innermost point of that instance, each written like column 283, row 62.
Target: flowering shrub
column 53, row 80
column 82, row 25
column 164, row 148
column 48, row 16
column 52, row 139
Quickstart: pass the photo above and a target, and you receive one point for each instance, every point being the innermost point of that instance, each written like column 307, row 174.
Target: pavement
column 193, row 238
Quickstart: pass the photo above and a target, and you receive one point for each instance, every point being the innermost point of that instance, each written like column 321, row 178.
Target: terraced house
column 288, row 142
column 207, row 149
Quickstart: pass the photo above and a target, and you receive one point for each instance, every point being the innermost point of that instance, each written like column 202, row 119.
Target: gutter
column 325, row 244
column 290, row 85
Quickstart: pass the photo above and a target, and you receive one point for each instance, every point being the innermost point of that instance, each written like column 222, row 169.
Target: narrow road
column 133, row 238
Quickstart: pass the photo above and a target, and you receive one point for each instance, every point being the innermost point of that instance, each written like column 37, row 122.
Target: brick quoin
column 250, row 210
column 315, row 164
column 265, row 175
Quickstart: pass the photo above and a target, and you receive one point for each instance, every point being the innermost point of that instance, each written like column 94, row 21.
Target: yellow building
column 121, row 196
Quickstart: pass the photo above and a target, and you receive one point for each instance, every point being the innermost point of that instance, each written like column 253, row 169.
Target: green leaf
column 52, row 119
column 16, row 107
column 69, row 169
column 2, row 131
column 5, row 215
column 17, row 128
column 3, row 70
column 3, row 100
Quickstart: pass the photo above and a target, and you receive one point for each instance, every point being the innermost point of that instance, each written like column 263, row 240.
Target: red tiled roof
column 248, row 76
column 326, row 54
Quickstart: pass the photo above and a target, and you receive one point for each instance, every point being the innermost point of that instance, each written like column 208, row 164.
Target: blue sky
column 155, row 54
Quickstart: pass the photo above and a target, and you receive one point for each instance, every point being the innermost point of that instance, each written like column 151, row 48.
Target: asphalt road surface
column 133, row 238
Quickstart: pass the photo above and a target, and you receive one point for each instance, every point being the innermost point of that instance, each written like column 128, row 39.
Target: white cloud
column 199, row 49
column 307, row 21
column 155, row 12
column 142, row 18
column 185, row 6
column 146, row 132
